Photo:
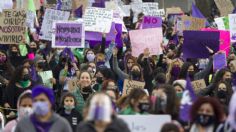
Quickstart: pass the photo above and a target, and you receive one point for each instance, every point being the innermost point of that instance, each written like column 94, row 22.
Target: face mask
column 40, row 108
column 143, row 107
column 228, row 80
column 3, row 59
column 90, row 57
column 99, row 80
column 34, row 50
column 205, row 120
column 14, row 53
column 42, row 46
column 179, row 95
column 24, row 111
column 101, row 63
column 26, row 77
column 135, row 74
column 221, row 94
column 68, row 107
column 191, row 74
column 175, row 71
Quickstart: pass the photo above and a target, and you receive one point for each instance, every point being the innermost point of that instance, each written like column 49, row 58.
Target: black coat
column 117, row 125
column 74, row 118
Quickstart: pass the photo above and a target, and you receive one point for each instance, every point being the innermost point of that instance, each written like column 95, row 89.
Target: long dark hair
column 7, row 66
column 184, row 70
column 17, row 76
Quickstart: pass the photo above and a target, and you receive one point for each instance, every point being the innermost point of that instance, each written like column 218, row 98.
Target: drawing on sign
column 131, row 84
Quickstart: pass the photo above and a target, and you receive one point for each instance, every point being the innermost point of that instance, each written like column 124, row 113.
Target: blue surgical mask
column 90, row 57
column 42, row 46
column 40, row 108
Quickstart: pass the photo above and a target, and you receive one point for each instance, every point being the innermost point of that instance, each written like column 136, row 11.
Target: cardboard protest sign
column 192, row 23
column 131, row 84
column 49, row 17
column 12, row 26
column 98, row 19
column 68, row 34
column 72, row 84
column 145, row 123
column 174, row 10
column 198, row 85
column 232, row 27
column 146, row 38
column 220, row 23
column 151, row 22
column 46, row 77
column 30, row 17
column 225, row 7
column 196, row 43
column 219, row 61
column 224, row 39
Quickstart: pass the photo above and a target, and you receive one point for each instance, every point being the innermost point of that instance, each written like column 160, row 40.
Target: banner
column 192, row 23
column 68, row 34
column 145, row 123
column 49, row 17
column 220, row 23
column 13, row 27
column 151, row 22
column 225, row 7
column 232, row 27
column 131, row 84
column 219, row 61
column 146, row 38
column 98, row 19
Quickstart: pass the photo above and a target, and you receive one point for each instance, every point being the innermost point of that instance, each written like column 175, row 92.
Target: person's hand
column 232, row 66
column 115, row 51
column 75, row 66
column 66, row 67
column 210, row 50
column 6, row 105
column 53, row 80
column 146, row 53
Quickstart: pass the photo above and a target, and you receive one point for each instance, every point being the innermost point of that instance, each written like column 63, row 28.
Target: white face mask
column 24, row 111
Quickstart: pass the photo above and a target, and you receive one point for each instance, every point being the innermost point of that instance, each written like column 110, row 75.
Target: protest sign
column 126, row 10
column 111, row 5
column 137, row 8
column 72, row 84
column 5, row 4
column 174, row 10
column 66, row 5
column 226, row 22
column 196, row 43
column 68, row 34
column 98, row 19
column 151, row 22
column 232, row 27
column 146, row 38
column 12, row 26
column 30, row 19
column 49, row 17
column 46, row 77
column 198, row 85
column 224, row 39
column 150, row 8
column 220, row 23
column 192, row 23
column 145, row 123
column 225, row 7
column 131, row 84
column 219, row 61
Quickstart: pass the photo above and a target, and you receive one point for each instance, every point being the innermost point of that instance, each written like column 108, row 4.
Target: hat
column 37, row 90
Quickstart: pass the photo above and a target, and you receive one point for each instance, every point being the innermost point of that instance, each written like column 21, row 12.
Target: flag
column 59, row 4
column 187, row 100
column 31, row 6
column 197, row 13
column 79, row 12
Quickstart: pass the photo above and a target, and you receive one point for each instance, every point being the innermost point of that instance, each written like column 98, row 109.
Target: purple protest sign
column 151, row 22
column 196, row 43
column 68, row 34
column 219, row 61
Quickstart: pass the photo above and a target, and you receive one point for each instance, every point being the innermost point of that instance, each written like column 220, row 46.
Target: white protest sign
column 5, row 4
column 145, row 123
column 98, row 19
column 232, row 27
column 30, row 19
column 151, row 9
column 220, row 23
column 46, row 77
column 49, row 17
column 137, row 8
column 126, row 10
column 66, row 5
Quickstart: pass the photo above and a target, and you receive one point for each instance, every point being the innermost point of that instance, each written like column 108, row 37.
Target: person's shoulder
column 86, row 126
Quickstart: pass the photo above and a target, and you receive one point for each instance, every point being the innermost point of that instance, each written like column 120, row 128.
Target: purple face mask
column 175, row 71
column 2, row 59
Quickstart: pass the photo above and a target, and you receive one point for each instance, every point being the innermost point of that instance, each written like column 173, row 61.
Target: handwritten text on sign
column 198, row 85
column 131, row 84
column 12, row 26
column 232, row 27
column 98, row 20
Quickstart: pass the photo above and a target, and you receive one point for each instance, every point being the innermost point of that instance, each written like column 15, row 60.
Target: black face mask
column 144, row 107
column 221, row 94
column 135, row 74
column 26, row 77
column 191, row 74
column 14, row 53
column 99, row 80
column 228, row 80
column 205, row 120
column 33, row 50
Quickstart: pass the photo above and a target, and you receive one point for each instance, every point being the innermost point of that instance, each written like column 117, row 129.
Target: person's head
column 28, row 63
column 206, row 111
column 91, row 68
column 43, row 100
column 24, row 104
column 138, row 100
column 175, row 68
column 109, row 85
column 21, row 74
column 223, row 75
column 130, row 60
column 69, row 101
column 14, row 50
column 136, row 72
column 159, row 79
column 3, row 57
column 100, row 109
column 102, row 74
column 100, row 59
column 223, row 92
column 85, row 79
column 187, row 70
column 170, row 127
column 89, row 56
column 113, row 94
column 179, row 90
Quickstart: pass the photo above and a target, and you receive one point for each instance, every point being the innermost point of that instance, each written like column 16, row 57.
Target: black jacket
column 74, row 118
column 117, row 125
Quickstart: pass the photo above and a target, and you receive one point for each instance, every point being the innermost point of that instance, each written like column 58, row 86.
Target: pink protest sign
column 224, row 39
column 151, row 22
column 146, row 38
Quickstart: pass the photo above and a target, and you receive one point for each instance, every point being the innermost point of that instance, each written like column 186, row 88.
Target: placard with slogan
column 68, row 34
column 66, row 5
column 49, row 17
column 151, row 22
column 198, row 85
column 192, row 23
column 145, row 123
column 232, row 27
column 12, row 26
column 174, row 10
column 98, row 19
column 151, row 9
column 225, row 7
column 131, row 84
column 146, row 38
column 30, row 19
